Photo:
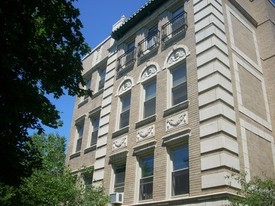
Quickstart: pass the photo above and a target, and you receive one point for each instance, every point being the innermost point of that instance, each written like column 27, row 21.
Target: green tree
column 41, row 49
column 256, row 192
column 52, row 184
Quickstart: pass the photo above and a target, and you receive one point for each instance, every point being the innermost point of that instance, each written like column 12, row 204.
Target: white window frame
column 170, row 170
column 101, row 78
column 140, row 177
column 146, row 76
column 120, row 109
column 79, row 137
column 144, row 85
column 114, row 168
column 92, row 129
column 88, row 83
column 170, row 91
column 124, row 88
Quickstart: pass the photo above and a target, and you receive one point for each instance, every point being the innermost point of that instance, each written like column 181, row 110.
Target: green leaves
column 52, row 183
column 42, row 47
column 257, row 191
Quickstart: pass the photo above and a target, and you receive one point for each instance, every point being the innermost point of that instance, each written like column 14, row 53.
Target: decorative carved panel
column 149, row 72
column 177, row 55
column 146, row 133
column 177, row 120
column 127, row 84
column 119, row 143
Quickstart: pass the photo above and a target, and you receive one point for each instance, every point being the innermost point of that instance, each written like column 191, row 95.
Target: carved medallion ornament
column 149, row 72
column 119, row 143
column 176, row 121
column 146, row 133
column 176, row 56
column 125, row 86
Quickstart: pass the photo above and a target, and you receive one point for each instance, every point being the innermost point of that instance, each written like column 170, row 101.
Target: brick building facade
column 183, row 96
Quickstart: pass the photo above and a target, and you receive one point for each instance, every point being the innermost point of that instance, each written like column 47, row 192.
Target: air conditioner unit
column 116, row 198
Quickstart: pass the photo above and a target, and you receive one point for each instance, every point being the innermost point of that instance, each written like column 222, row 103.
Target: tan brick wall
column 260, row 156
column 251, row 88
column 244, row 38
column 252, row 93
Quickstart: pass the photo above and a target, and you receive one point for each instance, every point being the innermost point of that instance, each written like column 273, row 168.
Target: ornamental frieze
column 177, row 120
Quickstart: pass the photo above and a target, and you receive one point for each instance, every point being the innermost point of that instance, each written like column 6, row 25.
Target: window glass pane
column 179, row 94
column 177, row 12
column 180, row 181
column 146, row 188
column 95, row 123
column 147, row 166
column 124, row 119
column 149, row 107
column 180, row 158
column 131, row 46
column 150, row 90
column 125, row 102
column 179, row 75
column 88, row 179
column 119, row 179
column 80, row 131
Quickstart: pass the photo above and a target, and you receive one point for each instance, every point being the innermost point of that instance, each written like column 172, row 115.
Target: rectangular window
column 146, row 180
column 125, row 110
column 130, row 56
column 88, row 179
column 79, row 129
column 101, row 73
column 177, row 20
column 179, row 85
column 95, row 127
column 152, row 36
column 180, row 173
column 87, row 86
column 119, row 178
column 150, row 99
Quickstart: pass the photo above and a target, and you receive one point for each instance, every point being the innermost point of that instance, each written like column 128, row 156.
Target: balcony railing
column 176, row 26
column 126, row 60
column 148, row 44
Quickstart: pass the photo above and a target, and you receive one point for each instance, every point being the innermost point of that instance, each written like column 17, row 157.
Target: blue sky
column 97, row 18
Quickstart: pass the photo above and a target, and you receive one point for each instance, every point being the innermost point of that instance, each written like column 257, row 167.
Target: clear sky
column 98, row 17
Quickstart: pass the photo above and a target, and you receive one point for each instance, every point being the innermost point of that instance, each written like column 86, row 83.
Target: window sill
column 176, row 108
column 148, row 120
column 83, row 102
column 97, row 93
column 120, row 132
column 90, row 149
column 77, row 154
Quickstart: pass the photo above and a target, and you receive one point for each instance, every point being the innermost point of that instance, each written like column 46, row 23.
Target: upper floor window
column 101, row 74
column 79, row 131
column 119, row 178
column 150, row 42
column 125, row 110
column 128, row 58
column 176, row 25
column 149, row 106
column 95, row 127
column 87, row 85
column 180, row 170
column 88, row 179
column 146, row 179
column 179, row 84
